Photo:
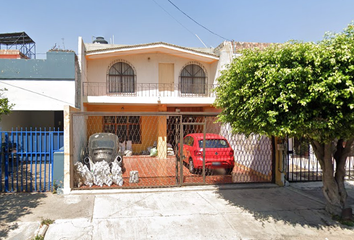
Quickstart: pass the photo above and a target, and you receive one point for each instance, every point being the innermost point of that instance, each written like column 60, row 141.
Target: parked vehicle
column 103, row 147
column 218, row 153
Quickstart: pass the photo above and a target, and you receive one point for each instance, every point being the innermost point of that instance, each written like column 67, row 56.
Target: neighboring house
column 38, row 88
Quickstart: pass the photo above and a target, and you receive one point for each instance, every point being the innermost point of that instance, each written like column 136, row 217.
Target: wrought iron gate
column 302, row 164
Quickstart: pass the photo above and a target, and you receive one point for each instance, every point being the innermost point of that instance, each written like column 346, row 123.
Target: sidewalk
column 248, row 211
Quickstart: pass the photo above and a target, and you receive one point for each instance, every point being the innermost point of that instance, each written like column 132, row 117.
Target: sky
column 199, row 23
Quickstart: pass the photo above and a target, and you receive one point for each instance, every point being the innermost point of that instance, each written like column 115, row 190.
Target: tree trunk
column 333, row 182
column 340, row 156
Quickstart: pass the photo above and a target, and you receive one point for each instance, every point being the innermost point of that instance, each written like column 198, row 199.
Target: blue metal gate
column 26, row 159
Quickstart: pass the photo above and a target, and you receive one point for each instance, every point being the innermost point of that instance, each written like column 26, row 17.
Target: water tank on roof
column 100, row 40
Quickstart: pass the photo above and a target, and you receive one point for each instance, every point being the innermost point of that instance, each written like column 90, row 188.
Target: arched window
column 121, row 78
column 193, row 79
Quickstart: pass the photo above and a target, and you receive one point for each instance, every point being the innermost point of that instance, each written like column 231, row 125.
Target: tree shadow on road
column 13, row 207
column 285, row 204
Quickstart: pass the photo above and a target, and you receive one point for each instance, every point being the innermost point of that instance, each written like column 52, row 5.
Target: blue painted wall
column 57, row 66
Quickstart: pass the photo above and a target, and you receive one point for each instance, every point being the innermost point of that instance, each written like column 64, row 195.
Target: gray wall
column 58, row 65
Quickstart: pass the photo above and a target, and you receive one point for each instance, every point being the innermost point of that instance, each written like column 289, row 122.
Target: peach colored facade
column 153, row 64
column 157, row 68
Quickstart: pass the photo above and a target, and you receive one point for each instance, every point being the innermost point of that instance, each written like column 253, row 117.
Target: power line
column 197, row 22
column 40, row 94
column 180, row 23
column 173, row 17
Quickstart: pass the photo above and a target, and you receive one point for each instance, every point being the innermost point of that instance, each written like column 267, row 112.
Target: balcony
column 150, row 93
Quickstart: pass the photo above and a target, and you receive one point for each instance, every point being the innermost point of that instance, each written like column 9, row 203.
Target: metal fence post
column 1, row 160
column 6, row 159
column 204, row 140
column 181, row 149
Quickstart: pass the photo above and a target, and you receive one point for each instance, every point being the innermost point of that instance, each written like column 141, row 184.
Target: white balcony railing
column 149, row 90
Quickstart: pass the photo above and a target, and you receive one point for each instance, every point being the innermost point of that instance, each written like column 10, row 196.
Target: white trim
column 150, row 47
column 120, row 60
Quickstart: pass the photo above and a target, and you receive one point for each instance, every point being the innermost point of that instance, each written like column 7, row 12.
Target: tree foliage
column 298, row 89
column 295, row 89
column 5, row 106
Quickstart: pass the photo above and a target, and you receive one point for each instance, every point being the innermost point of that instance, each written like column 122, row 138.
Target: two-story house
column 151, row 96
column 153, row 77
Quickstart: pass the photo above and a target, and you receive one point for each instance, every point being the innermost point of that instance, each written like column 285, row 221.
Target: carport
column 254, row 158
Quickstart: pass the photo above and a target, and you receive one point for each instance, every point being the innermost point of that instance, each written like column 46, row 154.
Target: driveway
column 250, row 211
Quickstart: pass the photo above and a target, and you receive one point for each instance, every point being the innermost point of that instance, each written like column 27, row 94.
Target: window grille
column 121, row 78
column 127, row 128
column 193, row 79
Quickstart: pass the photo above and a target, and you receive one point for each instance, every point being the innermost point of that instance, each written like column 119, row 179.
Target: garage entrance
column 155, row 154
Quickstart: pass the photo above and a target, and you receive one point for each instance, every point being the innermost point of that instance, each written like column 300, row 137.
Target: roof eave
column 156, row 47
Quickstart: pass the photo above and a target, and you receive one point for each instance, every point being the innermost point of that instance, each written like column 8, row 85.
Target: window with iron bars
column 127, row 128
column 193, row 79
column 121, row 78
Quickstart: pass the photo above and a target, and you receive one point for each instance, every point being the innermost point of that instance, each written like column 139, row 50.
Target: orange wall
column 148, row 127
column 145, row 108
column 94, row 125
column 120, row 108
column 8, row 56
column 148, row 133
column 148, row 124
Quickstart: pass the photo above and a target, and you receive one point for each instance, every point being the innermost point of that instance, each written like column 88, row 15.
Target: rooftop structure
column 18, row 41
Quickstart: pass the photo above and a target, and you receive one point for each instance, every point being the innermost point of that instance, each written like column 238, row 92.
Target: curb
column 173, row 189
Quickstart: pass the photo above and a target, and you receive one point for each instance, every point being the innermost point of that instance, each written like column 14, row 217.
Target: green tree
column 298, row 89
column 5, row 106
